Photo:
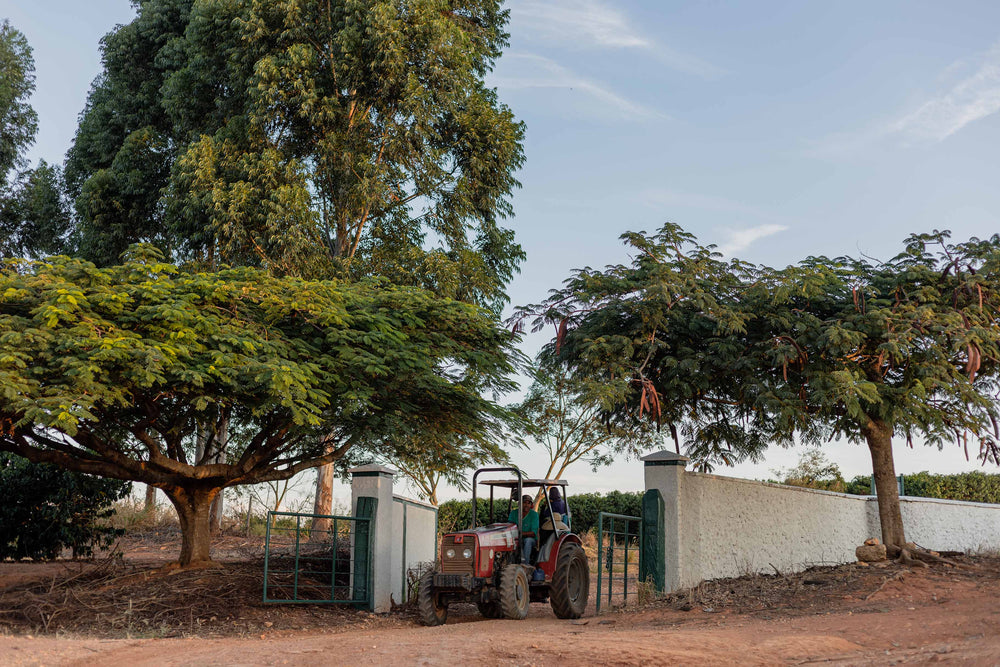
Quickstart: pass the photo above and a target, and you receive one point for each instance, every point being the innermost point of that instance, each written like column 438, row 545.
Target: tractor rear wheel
column 514, row 594
column 432, row 610
column 570, row 583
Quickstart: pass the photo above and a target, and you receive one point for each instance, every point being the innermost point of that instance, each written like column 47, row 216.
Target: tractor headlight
column 450, row 553
column 467, row 554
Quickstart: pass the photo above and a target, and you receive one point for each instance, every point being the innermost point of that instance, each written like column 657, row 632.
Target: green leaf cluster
column 110, row 370
column 47, row 509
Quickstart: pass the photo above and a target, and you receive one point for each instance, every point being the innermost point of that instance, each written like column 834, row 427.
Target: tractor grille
column 456, row 565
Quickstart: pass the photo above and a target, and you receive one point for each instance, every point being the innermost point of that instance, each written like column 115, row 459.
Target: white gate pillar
column 375, row 481
column 664, row 470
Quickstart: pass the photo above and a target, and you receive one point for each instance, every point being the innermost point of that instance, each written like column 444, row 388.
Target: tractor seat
column 560, row 526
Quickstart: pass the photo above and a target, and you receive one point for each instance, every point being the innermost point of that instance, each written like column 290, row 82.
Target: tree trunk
column 323, row 503
column 150, row 505
column 218, row 455
column 879, row 437
column 194, row 509
column 210, row 447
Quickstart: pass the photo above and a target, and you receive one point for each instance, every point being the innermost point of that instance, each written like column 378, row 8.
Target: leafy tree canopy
column 312, row 138
column 109, row 371
column 742, row 356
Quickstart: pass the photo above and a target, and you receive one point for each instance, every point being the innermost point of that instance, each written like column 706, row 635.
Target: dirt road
column 922, row 616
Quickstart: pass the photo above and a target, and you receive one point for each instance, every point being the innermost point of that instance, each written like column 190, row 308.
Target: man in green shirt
column 529, row 526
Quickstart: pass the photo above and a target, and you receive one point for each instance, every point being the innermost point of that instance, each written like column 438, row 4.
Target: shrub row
column 457, row 514
column 974, row 486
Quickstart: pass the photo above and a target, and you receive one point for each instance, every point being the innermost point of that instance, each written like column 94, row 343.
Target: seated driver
column 529, row 527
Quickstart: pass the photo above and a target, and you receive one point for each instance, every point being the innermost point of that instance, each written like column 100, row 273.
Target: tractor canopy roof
column 525, row 483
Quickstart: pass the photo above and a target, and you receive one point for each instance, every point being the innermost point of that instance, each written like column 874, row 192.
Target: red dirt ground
column 847, row 615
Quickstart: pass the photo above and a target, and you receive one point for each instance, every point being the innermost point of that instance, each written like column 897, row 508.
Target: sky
column 775, row 130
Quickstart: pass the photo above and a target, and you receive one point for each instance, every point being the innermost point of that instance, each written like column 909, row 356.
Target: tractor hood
column 502, row 535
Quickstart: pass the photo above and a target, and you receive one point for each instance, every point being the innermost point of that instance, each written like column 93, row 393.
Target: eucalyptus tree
column 111, row 371
column 18, row 121
column 735, row 357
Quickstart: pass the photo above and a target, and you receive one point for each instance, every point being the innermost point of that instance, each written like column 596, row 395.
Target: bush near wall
column 46, row 509
column 977, row 487
column 457, row 514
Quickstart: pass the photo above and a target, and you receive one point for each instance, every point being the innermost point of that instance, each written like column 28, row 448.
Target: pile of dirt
column 817, row 589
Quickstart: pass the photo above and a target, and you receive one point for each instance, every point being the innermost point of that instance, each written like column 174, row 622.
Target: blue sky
column 776, row 130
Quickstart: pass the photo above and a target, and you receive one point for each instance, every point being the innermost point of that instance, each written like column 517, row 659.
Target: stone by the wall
column 870, row 553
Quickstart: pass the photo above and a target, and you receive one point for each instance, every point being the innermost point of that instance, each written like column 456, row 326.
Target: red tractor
column 484, row 563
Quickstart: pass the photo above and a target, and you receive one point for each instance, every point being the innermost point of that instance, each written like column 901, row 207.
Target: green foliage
column 735, row 357
column 814, row 471
column 47, row 509
column 36, row 218
column 110, row 371
column 586, row 506
column 18, row 121
column 457, row 514
column 312, row 138
column 975, row 486
column 562, row 413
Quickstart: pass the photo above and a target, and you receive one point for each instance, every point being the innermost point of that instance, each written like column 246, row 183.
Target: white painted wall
column 730, row 527
column 723, row 526
column 414, row 538
column 949, row 525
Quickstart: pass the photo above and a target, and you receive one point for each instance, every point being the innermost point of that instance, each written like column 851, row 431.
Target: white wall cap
column 373, row 468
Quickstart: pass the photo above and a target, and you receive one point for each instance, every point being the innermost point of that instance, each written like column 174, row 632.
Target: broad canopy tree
column 111, row 370
column 733, row 357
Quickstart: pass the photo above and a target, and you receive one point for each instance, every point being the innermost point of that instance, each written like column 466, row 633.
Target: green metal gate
column 619, row 555
column 333, row 566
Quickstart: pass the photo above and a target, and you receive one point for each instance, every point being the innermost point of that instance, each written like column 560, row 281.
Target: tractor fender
column 549, row 566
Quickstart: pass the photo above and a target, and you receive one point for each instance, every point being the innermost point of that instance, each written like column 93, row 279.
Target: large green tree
column 308, row 137
column 735, row 357
column 111, row 371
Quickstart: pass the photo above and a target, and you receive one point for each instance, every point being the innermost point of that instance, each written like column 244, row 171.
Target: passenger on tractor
column 555, row 521
column 529, row 527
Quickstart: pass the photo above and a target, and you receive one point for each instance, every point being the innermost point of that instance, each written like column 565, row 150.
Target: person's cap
column 527, row 498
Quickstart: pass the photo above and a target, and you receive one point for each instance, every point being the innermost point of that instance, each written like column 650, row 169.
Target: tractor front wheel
column 570, row 582
column 432, row 610
column 514, row 594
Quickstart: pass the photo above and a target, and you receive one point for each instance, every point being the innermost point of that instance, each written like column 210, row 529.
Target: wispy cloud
column 522, row 71
column 738, row 240
column 971, row 99
column 962, row 98
column 572, row 20
column 593, row 24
